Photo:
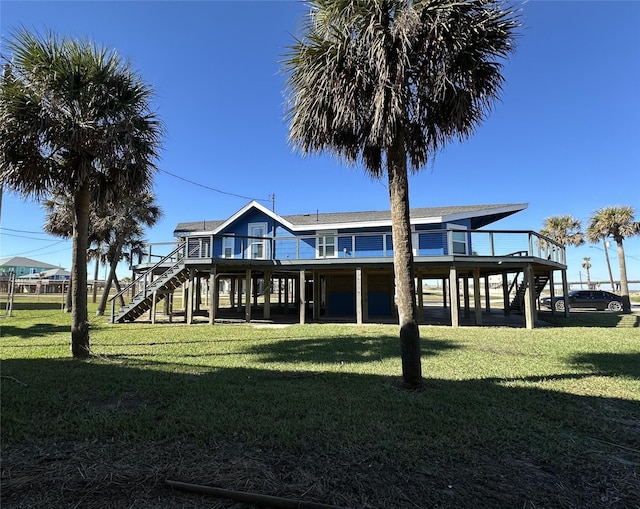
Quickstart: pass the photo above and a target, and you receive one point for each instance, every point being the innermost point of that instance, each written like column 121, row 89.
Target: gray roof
column 20, row 261
column 480, row 215
column 197, row 226
column 385, row 215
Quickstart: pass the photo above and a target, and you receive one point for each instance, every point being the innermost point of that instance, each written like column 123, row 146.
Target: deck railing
column 426, row 243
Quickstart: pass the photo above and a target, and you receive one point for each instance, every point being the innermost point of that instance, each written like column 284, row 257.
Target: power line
column 268, row 200
column 25, row 237
column 39, row 249
column 23, row 231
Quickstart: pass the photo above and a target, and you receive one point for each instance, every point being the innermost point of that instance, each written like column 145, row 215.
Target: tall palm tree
column 124, row 224
column 586, row 265
column 388, row 83
column 75, row 116
column 605, row 248
column 617, row 223
column 565, row 230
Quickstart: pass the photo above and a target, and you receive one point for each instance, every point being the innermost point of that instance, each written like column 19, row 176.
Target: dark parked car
column 591, row 299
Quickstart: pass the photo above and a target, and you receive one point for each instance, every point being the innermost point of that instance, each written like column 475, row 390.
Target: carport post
column 266, row 288
column 454, row 293
column 565, row 292
column 477, row 300
column 529, row 297
column 213, row 298
column 505, row 294
column 552, row 289
column 359, row 296
column 247, row 297
column 301, row 297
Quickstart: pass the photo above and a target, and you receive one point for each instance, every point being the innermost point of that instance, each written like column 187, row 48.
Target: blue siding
column 341, row 303
column 432, row 243
column 379, row 304
column 292, row 248
column 350, row 242
column 370, row 245
column 345, row 246
column 307, row 248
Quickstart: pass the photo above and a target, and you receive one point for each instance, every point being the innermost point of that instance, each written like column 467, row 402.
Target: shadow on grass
column 591, row 319
column 347, row 349
column 611, row 364
column 37, row 330
column 455, row 443
column 36, row 306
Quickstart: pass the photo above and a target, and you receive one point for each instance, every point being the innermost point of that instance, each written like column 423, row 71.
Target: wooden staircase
column 153, row 292
column 540, row 281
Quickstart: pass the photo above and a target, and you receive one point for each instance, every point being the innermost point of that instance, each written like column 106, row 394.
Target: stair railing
column 143, row 277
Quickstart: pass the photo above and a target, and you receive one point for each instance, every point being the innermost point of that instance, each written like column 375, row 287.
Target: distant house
column 340, row 265
column 46, row 281
column 21, row 266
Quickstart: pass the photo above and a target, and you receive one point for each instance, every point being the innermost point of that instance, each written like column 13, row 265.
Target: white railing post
column 530, row 235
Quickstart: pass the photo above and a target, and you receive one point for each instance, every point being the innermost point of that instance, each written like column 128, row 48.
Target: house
column 11, row 269
column 47, row 281
column 21, row 266
column 337, row 265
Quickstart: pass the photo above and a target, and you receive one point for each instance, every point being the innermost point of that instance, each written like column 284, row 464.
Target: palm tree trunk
column 606, row 257
column 68, row 304
column 624, row 284
column 403, row 264
column 116, row 283
column 79, row 314
column 105, row 293
column 113, row 263
column 94, row 294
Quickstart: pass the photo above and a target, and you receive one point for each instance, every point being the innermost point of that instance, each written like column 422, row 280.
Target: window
column 458, row 239
column 228, row 244
column 257, row 241
column 459, row 242
column 327, row 246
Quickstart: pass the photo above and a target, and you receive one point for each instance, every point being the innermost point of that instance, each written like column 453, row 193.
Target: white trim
column 253, row 205
column 323, row 235
column 232, row 238
column 461, row 228
column 251, row 242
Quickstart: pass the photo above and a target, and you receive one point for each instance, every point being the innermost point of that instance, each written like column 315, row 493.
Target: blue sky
column 565, row 137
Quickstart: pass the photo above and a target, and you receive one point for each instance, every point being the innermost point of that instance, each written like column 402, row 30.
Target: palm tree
column 75, row 117
column 59, row 217
column 388, row 83
column 617, row 223
column 124, row 224
column 586, row 265
column 565, row 230
column 605, row 248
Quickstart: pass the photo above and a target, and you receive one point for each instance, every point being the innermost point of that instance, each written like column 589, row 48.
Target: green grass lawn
column 508, row 417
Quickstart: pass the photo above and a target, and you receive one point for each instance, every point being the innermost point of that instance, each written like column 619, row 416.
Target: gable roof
column 480, row 215
column 20, row 261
